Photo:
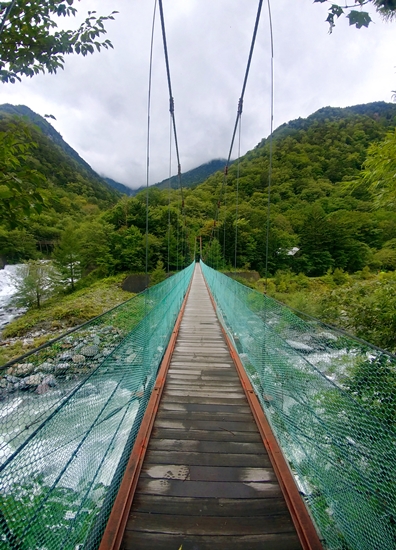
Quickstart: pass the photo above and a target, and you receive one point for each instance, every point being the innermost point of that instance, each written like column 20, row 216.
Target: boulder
column 49, row 380
column 12, row 379
column 79, row 358
column 46, row 367
column 42, row 389
column 22, row 369
column 89, row 351
column 33, row 380
column 61, row 367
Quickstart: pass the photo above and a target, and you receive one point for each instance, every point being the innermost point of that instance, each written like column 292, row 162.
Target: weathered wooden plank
column 208, row 425
column 203, row 415
column 203, row 407
column 226, row 384
column 195, row 358
column 201, row 376
column 203, row 366
column 193, row 525
column 220, row 507
column 206, row 393
column 135, row 540
column 206, row 459
column 192, row 446
column 214, row 489
column 216, row 373
column 205, row 400
column 200, row 351
column 207, row 473
column 232, row 387
column 206, row 435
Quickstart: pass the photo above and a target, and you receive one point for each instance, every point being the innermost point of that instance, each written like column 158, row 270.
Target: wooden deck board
column 139, row 540
column 207, row 481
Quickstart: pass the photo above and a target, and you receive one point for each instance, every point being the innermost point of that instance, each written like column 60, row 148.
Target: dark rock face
column 134, row 283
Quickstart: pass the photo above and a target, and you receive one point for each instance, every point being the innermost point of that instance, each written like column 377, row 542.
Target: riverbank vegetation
column 363, row 304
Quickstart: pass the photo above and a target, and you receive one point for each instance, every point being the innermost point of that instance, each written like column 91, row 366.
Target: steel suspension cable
column 237, row 193
column 240, row 108
column 240, row 103
column 270, row 144
column 172, row 112
column 148, row 134
column 169, row 189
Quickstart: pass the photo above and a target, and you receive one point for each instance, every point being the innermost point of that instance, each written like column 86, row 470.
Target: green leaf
column 359, row 19
column 5, row 192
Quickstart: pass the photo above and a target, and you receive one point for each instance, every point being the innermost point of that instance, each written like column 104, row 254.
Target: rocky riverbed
column 71, row 358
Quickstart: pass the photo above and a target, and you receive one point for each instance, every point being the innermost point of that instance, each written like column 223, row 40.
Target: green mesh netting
column 69, row 415
column 330, row 400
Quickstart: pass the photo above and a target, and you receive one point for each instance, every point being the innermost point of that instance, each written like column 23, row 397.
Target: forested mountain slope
column 322, row 203
column 43, row 182
column 53, row 157
column 319, row 201
column 191, row 178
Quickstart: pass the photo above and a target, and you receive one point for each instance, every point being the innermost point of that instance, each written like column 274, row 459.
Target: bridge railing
column 330, row 399
column 69, row 415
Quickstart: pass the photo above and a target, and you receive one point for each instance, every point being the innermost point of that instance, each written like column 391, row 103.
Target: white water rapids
column 7, row 291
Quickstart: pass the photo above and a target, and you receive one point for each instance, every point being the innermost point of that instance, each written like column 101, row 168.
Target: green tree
column 34, row 282
column 315, row 240
column 21, row 187
column 30, row 42
column 158, row 275
column 127, row 249
column 95, row 240
column 17, row 245
column 212, row 255
column 380, row 169
column 67, row 257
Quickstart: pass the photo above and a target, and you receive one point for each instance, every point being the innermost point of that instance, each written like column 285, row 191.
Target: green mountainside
column 54, row 158
column 191, row 178
column 47, row 129
column 119, row 186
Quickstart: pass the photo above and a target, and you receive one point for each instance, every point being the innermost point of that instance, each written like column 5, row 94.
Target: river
column 7, row 291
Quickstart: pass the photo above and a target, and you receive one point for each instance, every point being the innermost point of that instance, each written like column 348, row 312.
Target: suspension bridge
column 199, row 414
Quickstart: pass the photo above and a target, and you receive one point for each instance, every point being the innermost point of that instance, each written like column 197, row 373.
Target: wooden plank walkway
column 206, row 481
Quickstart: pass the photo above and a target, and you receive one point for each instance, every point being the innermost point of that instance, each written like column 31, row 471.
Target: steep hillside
column 43, row 185
column 48, row 130
column 54, row 158
column 120, row 187
column 315, row 206
column 322, row 216
column 191, row 178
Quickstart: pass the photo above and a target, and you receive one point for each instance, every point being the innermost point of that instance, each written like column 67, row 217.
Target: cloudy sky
column 100, row 102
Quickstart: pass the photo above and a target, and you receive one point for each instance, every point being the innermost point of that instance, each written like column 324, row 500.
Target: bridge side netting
column 330, row 400
column 69, row 415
